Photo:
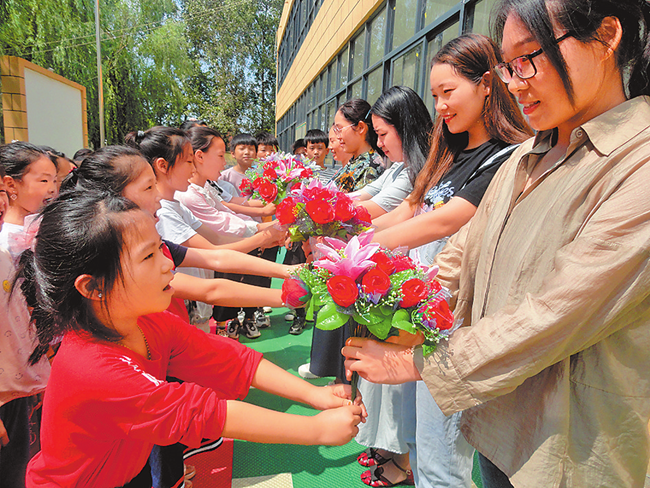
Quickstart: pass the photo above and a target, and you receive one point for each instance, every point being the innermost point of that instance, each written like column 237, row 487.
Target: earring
column 99, row 295
column 13, row 196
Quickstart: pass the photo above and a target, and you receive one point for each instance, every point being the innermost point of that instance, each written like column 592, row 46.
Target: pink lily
column 353, row 261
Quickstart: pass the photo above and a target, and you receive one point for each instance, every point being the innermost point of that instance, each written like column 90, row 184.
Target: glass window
column 435, row 8
column 377, row 38
column 358, row 48
column 406, row 69
column 331, row 73
column 481, row 24
column 355, row 92
column 374, row 84
column 405, row 21
column 331, row 110
column 343, row 61
column 433, row 47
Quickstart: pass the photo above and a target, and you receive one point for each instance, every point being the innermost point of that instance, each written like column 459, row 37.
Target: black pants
column 226, row 313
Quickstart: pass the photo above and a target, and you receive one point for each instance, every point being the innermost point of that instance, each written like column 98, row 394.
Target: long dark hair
column 80, row 233
column 471, row 56
column 402, row 108
column 357, row 110
column 110, row 169
column 159, row 142
column 582, row 18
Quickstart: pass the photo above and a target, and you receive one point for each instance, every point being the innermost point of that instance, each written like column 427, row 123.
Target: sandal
column 374, row 476
column 371, row 457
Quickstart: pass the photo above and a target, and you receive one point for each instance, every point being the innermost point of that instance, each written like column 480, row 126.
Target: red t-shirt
column 106, row 406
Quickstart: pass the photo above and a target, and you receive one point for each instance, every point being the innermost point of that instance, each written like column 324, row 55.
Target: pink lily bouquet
column 274, row 176
column 315, row 209
column 380, row 290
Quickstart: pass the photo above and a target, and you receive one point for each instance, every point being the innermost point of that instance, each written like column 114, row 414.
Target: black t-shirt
column 177, row 252
column 470, row 174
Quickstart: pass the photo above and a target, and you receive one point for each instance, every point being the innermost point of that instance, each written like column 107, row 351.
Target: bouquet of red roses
column 321, row 210
column 274, row 176
column 385, row 291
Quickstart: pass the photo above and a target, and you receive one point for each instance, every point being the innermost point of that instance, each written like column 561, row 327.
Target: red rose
column 402, row 263
column 363, row 215
column 286, row 211
column 444, row 317
column 295, row 292
column 268, row 191
column 434, row 287
column 343, row 290
column 344, row 208
column 270, row 165
column 383, row 262
column 413, row 292
column 320, row 211
column 256, row 183
column 270, row 174
column 436, row 314
column 306, row 173
column 317, row 194
column 245, row 185
column 375, row 281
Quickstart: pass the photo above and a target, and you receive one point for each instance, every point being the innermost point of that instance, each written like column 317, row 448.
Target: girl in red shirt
column 97, row 276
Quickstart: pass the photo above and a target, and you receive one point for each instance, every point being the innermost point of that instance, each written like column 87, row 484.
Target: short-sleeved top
column 6, row 232
column 234, row 178
column 106, row 406
column 176, row 223
column 206, row 204
column 391, row 188
column 358, row 172
column 176, row 252
column 468, row 178
column 17, row 341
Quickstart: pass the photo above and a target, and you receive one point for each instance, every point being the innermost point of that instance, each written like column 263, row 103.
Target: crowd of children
column 136, row 266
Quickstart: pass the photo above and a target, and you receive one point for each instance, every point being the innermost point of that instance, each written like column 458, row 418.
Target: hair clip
column 367, row 114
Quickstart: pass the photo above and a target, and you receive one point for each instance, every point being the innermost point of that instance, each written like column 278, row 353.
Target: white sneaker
column 303, row 371
column 289, row 317
column 268, row 309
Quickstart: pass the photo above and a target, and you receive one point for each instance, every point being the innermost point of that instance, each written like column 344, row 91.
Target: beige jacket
column 552, row 364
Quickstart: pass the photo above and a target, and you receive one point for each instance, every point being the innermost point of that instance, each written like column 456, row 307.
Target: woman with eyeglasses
column 551, row 276
column 356, row 135
column 477, row 128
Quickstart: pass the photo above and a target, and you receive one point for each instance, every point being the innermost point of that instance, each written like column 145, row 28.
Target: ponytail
column 159, row 142
column 26, row 278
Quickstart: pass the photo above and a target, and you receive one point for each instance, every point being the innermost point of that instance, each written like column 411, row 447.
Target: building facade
column 332, row 50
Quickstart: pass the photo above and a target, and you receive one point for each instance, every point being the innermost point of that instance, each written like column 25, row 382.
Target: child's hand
column 274, row 236
column 268, row 210
column 335, row 396
column 337, row 426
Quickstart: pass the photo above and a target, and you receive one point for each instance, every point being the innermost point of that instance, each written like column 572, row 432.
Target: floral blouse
column 358, row 172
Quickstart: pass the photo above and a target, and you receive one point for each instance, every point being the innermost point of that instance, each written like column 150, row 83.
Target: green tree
column 233, row 42
column 144, row 53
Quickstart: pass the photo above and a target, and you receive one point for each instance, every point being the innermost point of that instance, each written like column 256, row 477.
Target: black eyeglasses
column 522, row 66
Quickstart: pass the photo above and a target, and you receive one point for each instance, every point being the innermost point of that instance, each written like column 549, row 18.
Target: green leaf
column 381, row 329
column 329, row 318
column 402, row 320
